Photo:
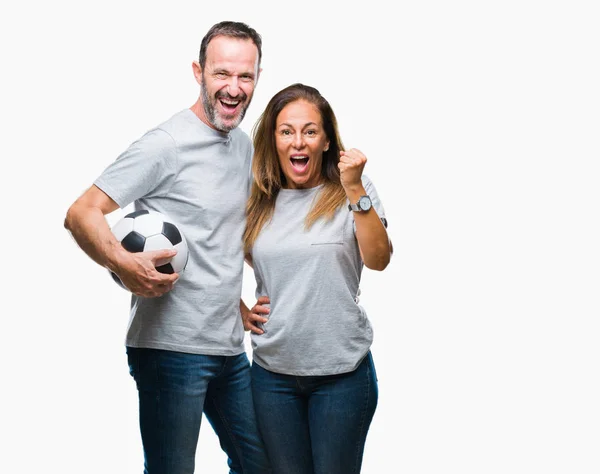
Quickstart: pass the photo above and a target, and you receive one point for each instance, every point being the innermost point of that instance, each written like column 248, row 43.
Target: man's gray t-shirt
column 316, row 326
column 200, row 178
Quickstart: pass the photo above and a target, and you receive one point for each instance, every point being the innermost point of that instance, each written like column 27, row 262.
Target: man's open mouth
column 229, row 105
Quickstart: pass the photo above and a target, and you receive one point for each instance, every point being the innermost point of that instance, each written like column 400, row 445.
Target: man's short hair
column 233, row 29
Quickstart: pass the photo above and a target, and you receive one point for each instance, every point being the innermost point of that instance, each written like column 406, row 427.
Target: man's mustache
column 224, row 95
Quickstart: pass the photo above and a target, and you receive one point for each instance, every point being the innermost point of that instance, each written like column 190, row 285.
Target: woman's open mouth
column 299, row 163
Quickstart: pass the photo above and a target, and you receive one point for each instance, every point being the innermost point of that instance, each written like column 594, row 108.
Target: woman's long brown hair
column 268, row 177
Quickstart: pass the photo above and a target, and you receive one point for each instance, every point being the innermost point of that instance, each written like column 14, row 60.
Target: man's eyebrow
column 229, row 73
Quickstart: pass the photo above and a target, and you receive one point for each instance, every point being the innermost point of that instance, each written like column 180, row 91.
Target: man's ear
column 197, row 71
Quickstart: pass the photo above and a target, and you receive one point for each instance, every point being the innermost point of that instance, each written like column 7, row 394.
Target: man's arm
column 85, row 220
column 87, row 224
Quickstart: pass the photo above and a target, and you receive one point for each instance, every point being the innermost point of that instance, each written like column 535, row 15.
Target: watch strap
column 356, row 206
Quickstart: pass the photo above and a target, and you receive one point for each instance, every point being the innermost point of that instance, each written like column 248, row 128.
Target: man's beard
column 210, row 109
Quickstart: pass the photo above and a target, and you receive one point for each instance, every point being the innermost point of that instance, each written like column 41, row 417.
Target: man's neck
column 198, row 109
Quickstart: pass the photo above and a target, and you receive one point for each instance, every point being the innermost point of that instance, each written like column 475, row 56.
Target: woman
column 313, row 219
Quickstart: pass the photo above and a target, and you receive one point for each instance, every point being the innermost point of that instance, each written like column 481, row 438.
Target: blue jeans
column 315, row 425
column 174, row 389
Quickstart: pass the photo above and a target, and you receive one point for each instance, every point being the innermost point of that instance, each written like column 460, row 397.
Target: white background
column 480, row 121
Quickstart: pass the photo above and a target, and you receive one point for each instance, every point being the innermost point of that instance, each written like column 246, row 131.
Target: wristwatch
column 362, row 205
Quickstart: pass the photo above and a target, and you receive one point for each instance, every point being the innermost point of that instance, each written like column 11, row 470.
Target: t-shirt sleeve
column 375, row 201
column 147, row 168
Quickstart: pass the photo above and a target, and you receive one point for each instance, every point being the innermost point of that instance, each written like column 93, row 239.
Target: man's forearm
column 90, row 230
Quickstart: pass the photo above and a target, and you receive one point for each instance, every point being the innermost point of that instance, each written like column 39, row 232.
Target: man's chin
column 228, row 124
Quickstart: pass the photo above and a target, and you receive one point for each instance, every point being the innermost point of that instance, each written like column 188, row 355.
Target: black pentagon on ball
column 134, row 214
column 133, row 242
column 166, row 268
column 171, row 232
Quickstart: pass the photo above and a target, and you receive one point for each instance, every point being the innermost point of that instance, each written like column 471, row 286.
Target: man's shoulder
column 175, row 122
column 182, row 127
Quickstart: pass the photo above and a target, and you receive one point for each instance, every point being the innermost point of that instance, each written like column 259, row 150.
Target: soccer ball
column 142, row 231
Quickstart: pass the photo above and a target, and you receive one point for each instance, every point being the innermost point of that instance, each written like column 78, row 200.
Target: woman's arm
column 373, row 242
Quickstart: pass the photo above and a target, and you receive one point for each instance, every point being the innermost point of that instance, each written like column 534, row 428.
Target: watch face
column 364, row 203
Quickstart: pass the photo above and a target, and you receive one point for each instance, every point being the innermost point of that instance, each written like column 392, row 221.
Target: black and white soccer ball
column 143, row 231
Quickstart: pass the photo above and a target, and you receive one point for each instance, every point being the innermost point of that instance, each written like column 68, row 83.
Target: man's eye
column 220, row 75
column 246, row 78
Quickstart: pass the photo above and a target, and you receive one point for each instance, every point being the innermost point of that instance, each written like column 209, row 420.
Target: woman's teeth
column 299, row 162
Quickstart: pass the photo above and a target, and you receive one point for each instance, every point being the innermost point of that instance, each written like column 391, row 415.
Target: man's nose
column 233, row 87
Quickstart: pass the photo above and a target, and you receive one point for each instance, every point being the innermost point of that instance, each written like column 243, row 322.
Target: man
column 185, row 340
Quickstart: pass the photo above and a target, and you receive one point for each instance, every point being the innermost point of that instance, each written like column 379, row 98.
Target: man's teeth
column 230, row 102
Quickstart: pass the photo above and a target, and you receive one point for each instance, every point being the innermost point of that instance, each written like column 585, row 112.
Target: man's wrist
column 117, row 255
